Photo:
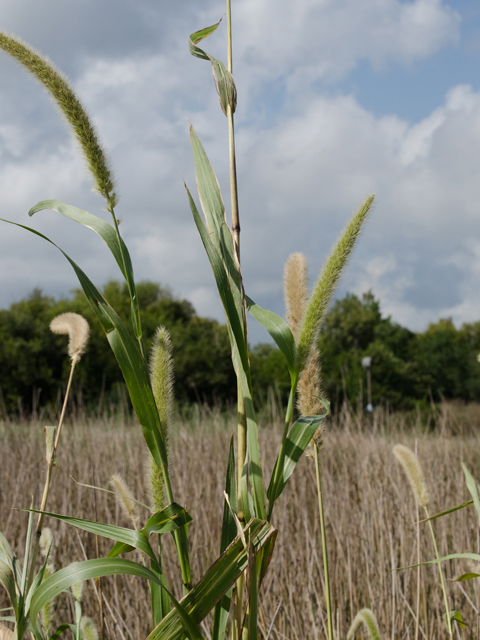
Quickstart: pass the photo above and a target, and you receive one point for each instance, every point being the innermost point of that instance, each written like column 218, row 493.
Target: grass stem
column 324, row 546
column 442, row 580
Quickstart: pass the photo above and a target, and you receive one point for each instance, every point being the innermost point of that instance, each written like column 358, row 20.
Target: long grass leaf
column 278, row 329
column 472, row 487
column 229, row 529
column 109, row 235
column 128, row 357
column 447, row 511
column 297, row 441
column 224, row 83
column 98, row 568
column 136, row 539
column 8, row 581
column 218, row 579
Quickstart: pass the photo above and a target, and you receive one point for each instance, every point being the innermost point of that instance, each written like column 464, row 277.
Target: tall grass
column 370, row 518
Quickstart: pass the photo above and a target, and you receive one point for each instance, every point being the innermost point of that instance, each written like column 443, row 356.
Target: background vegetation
column 407, row 367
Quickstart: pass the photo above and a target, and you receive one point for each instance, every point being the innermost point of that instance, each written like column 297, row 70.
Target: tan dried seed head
column 5, row 634
column 413, row 471
column 78, row 330
column 295, row 290
column 46, row 539
column 125, row 499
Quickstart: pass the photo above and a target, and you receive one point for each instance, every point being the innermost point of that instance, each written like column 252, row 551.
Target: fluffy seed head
column 368, row 619
column 46, row 539
column 71, row 108
column 88, row 628
column 77, row 329
column 310, row 388
column 125, row 499
column 77, row 590
column 413, row 471
column 162, row 378
column 295, row 290
column 49, row 441
column 327, row 283
column 46, row 611
column 154, row 482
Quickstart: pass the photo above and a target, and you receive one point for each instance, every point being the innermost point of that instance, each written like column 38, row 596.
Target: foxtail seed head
column 125, row 499
column 88, row 628
column 368, row 619
column 77, row 590
column 309, row 388
column 295, row 290
column 46, row 611
column 154, row 482
column 327, row 283
column 49, row 442
column 46, row 539
column 70, row 106
column 413, row 471
column 78, row 331
column 162, row 378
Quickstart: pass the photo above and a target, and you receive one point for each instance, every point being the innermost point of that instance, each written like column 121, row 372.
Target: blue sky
column 337, row 99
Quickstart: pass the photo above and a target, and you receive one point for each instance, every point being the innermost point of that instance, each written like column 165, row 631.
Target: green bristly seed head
column 88, row 628
column 367, row 618
column 295, row 291
column 327, row 283
column 59, row 88
column 162, row 378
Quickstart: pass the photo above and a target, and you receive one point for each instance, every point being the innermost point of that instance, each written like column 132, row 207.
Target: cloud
column 302, row 171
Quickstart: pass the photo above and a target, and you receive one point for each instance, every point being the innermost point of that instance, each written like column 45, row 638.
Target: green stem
column 324, row 546
column 180, row 536
column 449, row 622
column 281, row 454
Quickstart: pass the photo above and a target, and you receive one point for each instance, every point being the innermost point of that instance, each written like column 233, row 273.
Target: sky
column 337, row 99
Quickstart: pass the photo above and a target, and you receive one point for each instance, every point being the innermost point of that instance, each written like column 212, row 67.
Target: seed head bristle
column 309, row 388
column 295, row 290
column 46, row 611
column 125, row 499
column 88, row 628
column 46, row 539
column 70, row 106
column 154, row 483
column 327, row 283
column 49, row 441
column 413, row 471
column 77, row 329
column 368, row 619
column 162, row 378
column 77, row 590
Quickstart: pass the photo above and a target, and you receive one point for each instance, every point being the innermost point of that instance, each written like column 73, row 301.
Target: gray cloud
column 306, row 159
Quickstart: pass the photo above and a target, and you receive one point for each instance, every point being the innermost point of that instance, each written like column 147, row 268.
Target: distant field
column 370, row 517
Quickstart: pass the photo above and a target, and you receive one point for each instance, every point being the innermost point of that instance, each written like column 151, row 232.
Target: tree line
column 407, row 367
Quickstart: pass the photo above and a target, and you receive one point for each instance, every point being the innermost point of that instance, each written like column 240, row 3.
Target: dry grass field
column 370, row 516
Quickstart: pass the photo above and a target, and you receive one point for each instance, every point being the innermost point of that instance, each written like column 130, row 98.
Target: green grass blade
column 60, row 630
column 169, row 519
column 26, row 555
column 136, row 539
column 98, row 568
column 466, row 576
column 118, row 548
column 109, row 235
column 128, row 357
column 297, row 441
column 224, row 83
column 278, row 329
column 472, row 487
column 218, row 579
column 447, row 511
column 229, row 531
column 8, row 581
column 7, row 555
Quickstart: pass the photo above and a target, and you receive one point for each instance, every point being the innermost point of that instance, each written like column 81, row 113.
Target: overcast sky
column 337, row 99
